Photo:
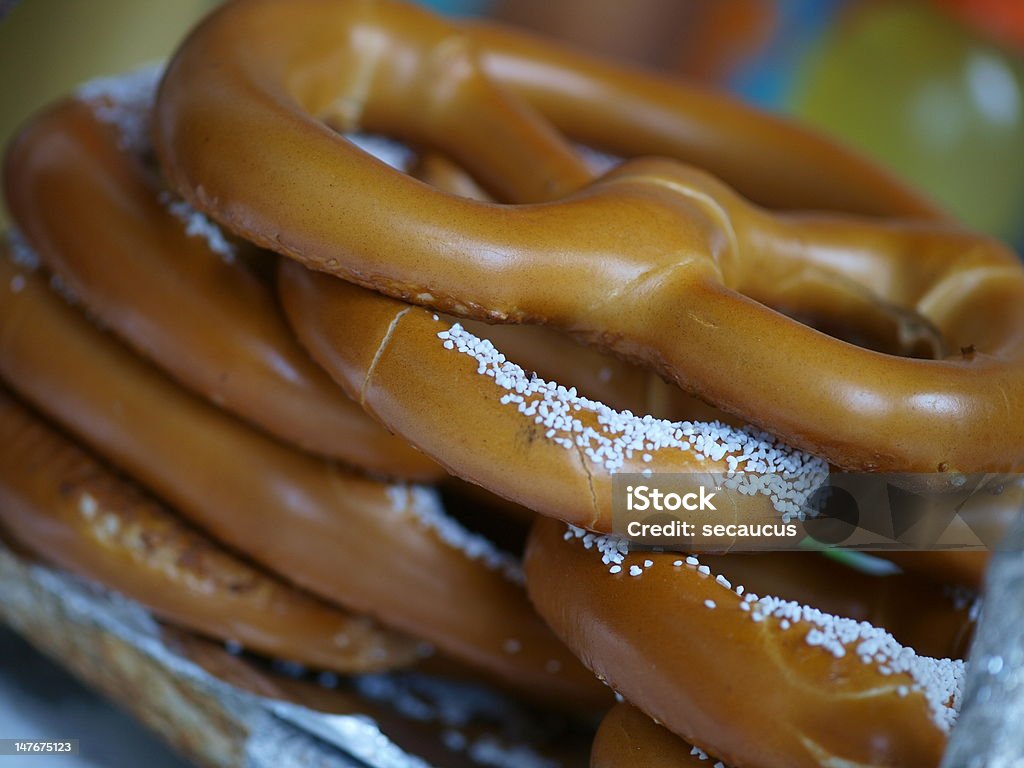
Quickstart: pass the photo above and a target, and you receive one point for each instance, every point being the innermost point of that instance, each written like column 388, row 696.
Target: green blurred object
column 926, row 98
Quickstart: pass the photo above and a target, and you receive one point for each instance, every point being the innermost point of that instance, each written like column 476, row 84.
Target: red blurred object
column 999, row 20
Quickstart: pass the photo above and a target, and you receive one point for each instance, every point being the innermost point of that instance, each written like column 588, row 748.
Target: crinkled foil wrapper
column 220, row 709
column 990, row 730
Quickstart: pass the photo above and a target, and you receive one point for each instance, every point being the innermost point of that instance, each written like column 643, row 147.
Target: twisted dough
column 602, row 378
column 769, row 685
column 384, row 550
column 91, row 210
column 656, row 261
column 63, row 505
column 388, row 357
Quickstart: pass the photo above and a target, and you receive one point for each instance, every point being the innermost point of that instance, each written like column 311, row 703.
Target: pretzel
column 554, row 356
column 628, row 738
column 605, row 379
column 656, row 261
column 63, row 505
column 637, row 262
column 757, row 681
column 819, row 298
column 384, row 550
column 392, row 359
column 84, row 199
column 622, row 111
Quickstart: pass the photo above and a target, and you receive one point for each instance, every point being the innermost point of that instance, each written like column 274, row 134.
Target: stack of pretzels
column 243, row 353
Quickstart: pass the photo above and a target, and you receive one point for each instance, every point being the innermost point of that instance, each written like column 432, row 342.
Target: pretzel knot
column 655, row 261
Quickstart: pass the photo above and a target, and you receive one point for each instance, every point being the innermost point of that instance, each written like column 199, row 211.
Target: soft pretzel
column 489, row 422
column 390, row 60
column 754, row 680
column 629, row 112
column 83, row 198
column 386, row 550
column 597, row 376
column 656, row 261
column 606, row 379
column 441, row 173
column 819, row 298
column 555, row 356
column 62, row 504
column 627, row 738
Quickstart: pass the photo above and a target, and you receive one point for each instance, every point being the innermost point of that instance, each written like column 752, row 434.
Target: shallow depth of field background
column 931, row 88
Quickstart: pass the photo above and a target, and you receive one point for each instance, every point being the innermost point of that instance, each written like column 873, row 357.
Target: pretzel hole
column 885, row 329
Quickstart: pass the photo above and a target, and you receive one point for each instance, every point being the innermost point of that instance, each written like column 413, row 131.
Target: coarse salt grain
column 700, row 754
column 940, row 681
column 758, row 463
column 87, row 506
column 425, row 505
column 20, row 253
column 233, row 647
column 198, row 224
column 126, row 102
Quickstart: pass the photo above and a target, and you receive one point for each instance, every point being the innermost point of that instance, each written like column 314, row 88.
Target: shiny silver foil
column 402, row 720
column 990, row 730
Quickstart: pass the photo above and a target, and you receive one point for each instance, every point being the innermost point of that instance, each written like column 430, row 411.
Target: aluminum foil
column 223, row 710
column 990, row 730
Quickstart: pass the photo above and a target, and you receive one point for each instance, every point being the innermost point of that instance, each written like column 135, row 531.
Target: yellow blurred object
column 930, row 100
column 47, row 47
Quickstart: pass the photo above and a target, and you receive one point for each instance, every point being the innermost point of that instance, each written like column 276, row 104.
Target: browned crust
column 58, row 501
column 657, row 261
column 353, row 541
column 745, row 691
column 93, row 214
column 628, row 738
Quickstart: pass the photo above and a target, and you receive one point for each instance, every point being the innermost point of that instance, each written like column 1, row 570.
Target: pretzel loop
column 651, row 261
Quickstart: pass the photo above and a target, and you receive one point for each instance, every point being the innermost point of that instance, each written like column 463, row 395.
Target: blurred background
column 930, row 88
